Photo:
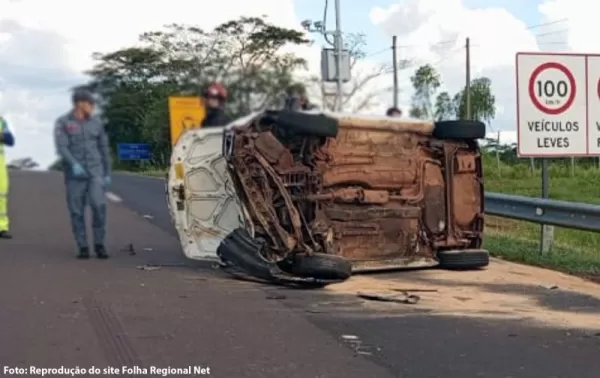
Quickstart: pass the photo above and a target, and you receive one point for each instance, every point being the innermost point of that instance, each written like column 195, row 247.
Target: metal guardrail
column 575, row 215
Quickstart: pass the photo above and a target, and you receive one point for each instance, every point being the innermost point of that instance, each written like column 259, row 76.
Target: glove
column 107, row 181
column 78, row 170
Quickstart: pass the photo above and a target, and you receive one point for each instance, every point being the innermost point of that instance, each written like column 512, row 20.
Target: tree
column 425, row 82
column 58, row 165
column 444, row 107
column 483, row 102
column 134, row 83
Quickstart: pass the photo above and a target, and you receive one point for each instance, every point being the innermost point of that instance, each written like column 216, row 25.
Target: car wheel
column 459, row 130
column 299, row 123
column 463, row 259
column 321, row 266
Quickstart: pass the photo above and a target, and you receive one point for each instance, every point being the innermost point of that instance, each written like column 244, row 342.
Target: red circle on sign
column 598, row 88
column 534, row 99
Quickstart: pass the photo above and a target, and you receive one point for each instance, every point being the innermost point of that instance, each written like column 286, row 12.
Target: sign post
column 185, row 113
column 558, row 98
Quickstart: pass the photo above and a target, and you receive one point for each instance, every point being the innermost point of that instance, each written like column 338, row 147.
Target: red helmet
column 216, row 89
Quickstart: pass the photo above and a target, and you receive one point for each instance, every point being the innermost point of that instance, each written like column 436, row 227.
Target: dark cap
column 393, row 110
column 82, row 95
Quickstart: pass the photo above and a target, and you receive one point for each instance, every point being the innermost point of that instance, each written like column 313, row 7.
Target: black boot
column 84, row 253
column 100, row 251
column 5, row 235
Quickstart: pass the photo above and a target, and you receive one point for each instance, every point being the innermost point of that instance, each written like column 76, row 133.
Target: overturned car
column 321, row 196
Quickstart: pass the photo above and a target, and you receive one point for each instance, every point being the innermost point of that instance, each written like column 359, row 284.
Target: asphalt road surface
column 146, row 306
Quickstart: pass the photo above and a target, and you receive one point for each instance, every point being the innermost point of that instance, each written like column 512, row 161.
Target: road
column 510, row 321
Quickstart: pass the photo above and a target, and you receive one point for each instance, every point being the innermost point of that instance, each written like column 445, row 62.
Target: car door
column 202, row 207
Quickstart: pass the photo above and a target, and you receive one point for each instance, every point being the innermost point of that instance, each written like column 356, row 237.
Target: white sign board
column 593, row 105
column 558, row 105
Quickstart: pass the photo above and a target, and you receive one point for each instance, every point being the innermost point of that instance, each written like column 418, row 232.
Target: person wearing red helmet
column 215, row 97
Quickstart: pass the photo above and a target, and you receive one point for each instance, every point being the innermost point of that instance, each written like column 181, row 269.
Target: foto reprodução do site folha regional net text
column 123, row 370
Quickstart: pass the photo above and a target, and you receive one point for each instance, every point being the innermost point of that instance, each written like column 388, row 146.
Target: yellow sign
column 185, row 113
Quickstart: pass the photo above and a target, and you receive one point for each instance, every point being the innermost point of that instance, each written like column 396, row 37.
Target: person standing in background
column 393, row 112
column 82, row 143
column 297, row 99
column 215, row 96
column 6, row 139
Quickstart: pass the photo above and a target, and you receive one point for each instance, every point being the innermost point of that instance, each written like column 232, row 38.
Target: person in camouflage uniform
column 82, row 143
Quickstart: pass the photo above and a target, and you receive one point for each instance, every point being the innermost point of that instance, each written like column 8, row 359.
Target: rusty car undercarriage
column 324, row 196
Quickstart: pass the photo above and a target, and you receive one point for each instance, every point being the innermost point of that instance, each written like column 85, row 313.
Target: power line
column 377, row 52
column 546, row 24
column 552, row 33
column 553, row 43
column 450, row 41
column 436, row 63
column 325, row 10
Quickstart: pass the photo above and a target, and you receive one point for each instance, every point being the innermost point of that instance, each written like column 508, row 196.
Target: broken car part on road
column 321, row 196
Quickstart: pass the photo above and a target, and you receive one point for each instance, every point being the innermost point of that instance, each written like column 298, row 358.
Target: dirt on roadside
column 504, row 290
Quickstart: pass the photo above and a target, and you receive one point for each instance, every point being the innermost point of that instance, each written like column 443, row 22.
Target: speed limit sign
column 551, row 105
column 552, row 88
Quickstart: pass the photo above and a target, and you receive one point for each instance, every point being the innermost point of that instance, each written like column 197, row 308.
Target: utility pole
column 395, row 67
column 337, row 53
column 339, row 50
column 468, row 76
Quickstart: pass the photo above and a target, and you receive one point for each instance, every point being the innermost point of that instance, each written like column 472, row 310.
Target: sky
column 44, row 48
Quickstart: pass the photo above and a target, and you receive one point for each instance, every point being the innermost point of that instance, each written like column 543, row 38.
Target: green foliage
column 483, row 102
column 58, row 165
column 426, row 81
column 134, row 83
column 444, row 107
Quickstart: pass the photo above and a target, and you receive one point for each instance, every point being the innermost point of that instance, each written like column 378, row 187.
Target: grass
column 568, row 260
column 575, row 252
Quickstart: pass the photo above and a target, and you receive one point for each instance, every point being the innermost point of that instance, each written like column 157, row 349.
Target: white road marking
column 113, row 197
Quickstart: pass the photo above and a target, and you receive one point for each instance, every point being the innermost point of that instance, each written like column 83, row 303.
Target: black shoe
column 5, row 235
column 84, row 253
column 100, row 251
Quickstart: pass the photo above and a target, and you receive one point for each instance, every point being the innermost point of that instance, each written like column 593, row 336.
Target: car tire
column 299, row 123
column 464, row 259
column 459, row 130
column 241, row 250
column 321, row 266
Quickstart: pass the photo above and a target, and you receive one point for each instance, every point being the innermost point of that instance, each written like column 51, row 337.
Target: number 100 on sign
column 551, row 105
column 548, row 89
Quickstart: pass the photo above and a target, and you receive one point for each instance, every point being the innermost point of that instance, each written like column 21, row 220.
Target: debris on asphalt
column 148, row 216
column 417, row 290
column 129, row 248
column 148, row 249
column 276, row 296
column 550, row 287
column 463, row 299
column 357, row 345
column 148, row 267
column 403, row 297
column 195, row 278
